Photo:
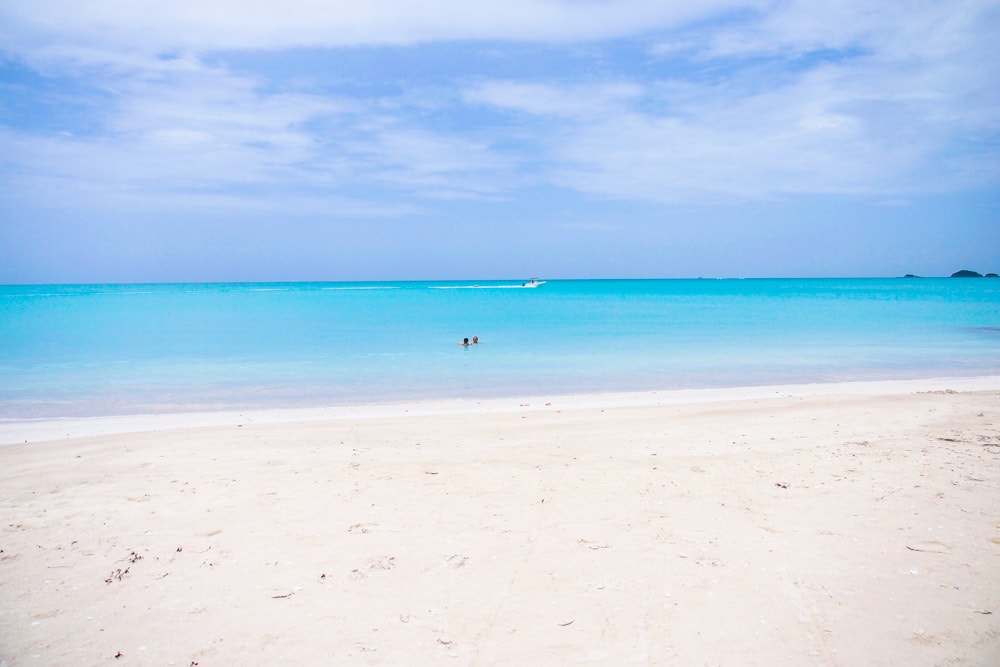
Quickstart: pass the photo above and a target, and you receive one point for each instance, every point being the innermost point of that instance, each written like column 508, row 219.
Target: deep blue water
column 72, row 350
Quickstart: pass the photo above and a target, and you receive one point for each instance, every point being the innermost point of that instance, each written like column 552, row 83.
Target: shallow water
column 73, row 350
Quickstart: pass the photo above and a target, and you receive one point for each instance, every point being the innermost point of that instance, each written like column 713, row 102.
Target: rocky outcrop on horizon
column 966, row 273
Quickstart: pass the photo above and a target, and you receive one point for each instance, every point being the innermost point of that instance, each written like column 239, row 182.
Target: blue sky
column 311, row 140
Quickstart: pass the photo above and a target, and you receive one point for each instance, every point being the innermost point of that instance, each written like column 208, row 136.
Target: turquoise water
column 74, row 350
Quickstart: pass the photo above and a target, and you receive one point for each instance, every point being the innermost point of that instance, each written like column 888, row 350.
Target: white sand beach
column 822, row 524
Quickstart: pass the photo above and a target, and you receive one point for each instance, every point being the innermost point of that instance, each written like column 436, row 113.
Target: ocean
column 87, row 350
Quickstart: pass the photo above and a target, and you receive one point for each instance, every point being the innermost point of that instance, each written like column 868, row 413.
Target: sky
column 252, row 140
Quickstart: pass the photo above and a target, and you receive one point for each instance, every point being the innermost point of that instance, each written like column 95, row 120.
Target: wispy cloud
column 150, row 26
column 217, row 104
column 554, row 99
column 782, row 103
column 186, row 129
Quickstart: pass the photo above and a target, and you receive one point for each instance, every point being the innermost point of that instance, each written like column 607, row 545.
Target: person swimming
column 465, row 342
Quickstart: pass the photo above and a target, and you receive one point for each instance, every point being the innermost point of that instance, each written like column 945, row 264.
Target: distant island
column 966, row 273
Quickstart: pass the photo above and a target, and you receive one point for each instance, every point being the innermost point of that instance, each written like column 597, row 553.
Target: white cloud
column 862, row 100
column 195, row 126
column 431, row 164
column 151, row 26
column 681, row 141
column 79, row 175
column 783, row 97
column 183, row 130
column 890, row 30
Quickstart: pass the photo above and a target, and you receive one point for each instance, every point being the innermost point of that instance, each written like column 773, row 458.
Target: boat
column 534, row 282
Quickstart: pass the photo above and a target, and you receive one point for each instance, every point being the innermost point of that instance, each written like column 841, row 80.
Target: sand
column 826, row 525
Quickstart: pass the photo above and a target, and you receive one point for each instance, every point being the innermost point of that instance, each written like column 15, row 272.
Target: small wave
column 23, row 295
column 480, row 287
column 361, row 287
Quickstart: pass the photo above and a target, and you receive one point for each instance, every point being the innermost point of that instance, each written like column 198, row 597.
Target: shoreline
column 31, row 430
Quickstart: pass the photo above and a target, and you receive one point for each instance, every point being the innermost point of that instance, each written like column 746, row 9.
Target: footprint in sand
column 361, row 528
column 457, row 560
column 373, row 565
